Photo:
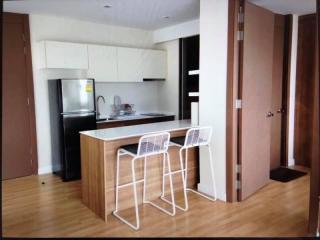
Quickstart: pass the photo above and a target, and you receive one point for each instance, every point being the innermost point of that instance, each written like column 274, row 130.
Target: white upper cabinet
column 103, row 65
column 154, row 64
column 65, row 55
column 130, row 65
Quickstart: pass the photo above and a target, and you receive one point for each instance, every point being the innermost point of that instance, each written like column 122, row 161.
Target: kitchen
column 75, row 105
column 105, row 74
column 147, row 96
column 87, row 80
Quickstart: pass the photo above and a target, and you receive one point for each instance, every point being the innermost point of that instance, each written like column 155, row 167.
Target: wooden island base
column 98, row 170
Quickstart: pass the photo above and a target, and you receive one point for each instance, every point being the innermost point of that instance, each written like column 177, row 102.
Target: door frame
column 24, row 19
column 234, row 91
column 315, row 164
column 234, row 62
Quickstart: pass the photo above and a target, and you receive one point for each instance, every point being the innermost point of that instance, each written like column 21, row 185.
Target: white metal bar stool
column 195, row 137
column 149, row 145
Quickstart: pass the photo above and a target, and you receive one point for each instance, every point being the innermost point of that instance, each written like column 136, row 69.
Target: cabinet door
column 130, row 65
column 66, row 55
column 103, row 63
column 154, row 64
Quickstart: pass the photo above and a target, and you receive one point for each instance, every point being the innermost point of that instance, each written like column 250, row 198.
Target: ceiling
column 300, row 7
column 143, row 14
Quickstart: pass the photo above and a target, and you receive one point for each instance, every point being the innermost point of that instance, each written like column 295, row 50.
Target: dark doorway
column 189, row 83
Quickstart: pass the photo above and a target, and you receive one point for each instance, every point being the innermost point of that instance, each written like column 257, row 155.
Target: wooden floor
column 54, row 209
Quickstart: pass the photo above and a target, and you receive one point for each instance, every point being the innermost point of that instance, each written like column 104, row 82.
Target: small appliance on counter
column 119, row 109
column 127, row 109
column 72, row 109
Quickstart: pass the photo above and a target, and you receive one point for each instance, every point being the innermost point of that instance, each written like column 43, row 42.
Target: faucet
column 104, row 101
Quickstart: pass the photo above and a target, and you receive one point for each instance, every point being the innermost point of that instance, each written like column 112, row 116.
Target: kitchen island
column 98, row 165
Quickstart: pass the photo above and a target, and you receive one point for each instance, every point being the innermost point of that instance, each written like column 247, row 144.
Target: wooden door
column 277, row 89
column 18, row 155
column 256, row 99
column 305, row 90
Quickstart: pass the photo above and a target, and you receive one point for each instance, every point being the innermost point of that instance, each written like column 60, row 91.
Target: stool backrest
column 153, row 144
column 198, row 136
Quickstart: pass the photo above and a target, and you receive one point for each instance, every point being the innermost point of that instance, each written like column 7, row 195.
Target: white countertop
column 110, row 134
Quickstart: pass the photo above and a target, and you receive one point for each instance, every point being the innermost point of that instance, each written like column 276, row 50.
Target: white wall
column 181, row 30
column 169, row 90
column 213, row 90
column 63, row 29
column 145, row 96
column 292, row 91
column 67, row 29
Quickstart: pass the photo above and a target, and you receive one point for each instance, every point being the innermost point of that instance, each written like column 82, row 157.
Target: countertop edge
column 133, row 135
column 133, row 119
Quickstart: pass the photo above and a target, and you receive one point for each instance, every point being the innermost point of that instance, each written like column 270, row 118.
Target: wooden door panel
column 16, row 158
column 277, row 85
column 305, row 84
column 256, row 98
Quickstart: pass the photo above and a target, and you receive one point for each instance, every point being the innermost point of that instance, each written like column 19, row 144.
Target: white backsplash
column 144, row 96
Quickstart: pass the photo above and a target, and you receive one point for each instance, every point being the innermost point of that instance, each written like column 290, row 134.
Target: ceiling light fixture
column 166, row 17
column 107, row 6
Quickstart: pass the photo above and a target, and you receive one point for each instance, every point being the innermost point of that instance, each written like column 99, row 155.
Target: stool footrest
column 174, row 172
column 130, row 183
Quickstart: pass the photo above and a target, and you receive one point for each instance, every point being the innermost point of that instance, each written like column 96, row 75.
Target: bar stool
column 149, row 145
column 195, row 137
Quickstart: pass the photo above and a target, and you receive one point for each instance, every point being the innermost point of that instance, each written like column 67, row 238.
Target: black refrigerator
column 72, row 110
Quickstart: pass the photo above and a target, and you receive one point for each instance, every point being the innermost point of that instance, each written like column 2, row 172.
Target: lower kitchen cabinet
column 113, row 124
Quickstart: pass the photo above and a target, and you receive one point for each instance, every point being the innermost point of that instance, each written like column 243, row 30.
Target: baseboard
column 291, row 162
column 48, row 169
column 209, row 191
